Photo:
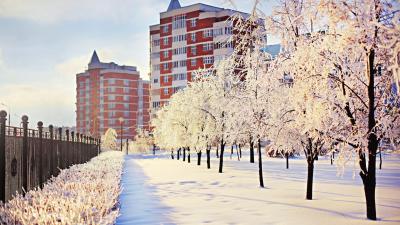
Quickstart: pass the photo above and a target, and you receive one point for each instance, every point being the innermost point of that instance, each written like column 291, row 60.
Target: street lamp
column 121, row 120
column 9, row 113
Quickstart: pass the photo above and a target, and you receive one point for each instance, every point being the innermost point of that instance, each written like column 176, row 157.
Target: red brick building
column 106, row 93
column 186, row 39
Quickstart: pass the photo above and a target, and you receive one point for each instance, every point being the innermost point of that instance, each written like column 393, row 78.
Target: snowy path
column 138, row 203
column 164, row 191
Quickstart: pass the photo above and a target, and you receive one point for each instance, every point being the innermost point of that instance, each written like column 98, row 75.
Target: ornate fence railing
column 29, row 157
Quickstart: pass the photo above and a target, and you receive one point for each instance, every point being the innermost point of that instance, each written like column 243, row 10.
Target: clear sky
column 44, row 43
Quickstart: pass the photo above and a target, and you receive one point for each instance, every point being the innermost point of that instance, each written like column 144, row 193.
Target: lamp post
column 121, row 120
column 9, row 113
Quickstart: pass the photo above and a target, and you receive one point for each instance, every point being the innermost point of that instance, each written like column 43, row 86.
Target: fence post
column 127, row 146
column 40, row 129
column 66, row 150
column 25, row 156
column 3, row 119
column 51, row 153
column 81, row 150
column 98, row 151
column 72, row 147
column 59, row 149
column 78, row 147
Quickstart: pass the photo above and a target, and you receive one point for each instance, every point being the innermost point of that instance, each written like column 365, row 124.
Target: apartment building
column 109, row 95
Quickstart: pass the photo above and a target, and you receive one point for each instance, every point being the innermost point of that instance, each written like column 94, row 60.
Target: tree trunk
column 221, row 156
column 287, row 160
column 198, row 158
column 237, row 152
column 188, row 155
column 208, row 158
column 368, row 176
column 331, row 159
column 251, row 152
column 172, row 154
column 240, row 151
column 231, row 151
column 179, row 154
column 380, row 159
column 217, row 151
column 184, row 154
column 154, row 149
column 310, row 163
column 260, row 173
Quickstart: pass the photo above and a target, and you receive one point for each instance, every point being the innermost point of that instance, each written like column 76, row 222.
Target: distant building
column 186, row 39
column 107, row 92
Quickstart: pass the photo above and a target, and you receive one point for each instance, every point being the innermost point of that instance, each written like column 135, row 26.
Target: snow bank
column 83, row 194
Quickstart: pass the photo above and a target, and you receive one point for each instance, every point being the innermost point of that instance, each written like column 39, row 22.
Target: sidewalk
column 138, row 203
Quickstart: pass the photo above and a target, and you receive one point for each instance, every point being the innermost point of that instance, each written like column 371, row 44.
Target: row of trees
column 329, row 90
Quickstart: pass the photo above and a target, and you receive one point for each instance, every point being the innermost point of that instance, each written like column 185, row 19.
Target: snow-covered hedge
column 83, row 194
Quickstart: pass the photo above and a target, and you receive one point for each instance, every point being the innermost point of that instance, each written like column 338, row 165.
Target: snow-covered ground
column 158, row 190
column 83, row 194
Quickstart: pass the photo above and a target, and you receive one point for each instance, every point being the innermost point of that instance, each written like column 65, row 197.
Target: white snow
column 161, row 190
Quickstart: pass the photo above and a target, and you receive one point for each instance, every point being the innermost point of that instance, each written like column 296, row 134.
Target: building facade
column 109, row 95
column 186, row 39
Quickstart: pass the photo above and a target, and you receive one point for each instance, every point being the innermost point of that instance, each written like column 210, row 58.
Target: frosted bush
column 83, row 194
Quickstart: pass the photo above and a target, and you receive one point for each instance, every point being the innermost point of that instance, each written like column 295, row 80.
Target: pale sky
column 45, row 43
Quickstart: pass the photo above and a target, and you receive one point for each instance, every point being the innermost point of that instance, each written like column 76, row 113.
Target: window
column 193, row 22
column 165, row 28
column 156, row 42
column 111, row 97
column 228, row 30
column 193, row 62
column 193, row 50
column 175, row 64
column 156, row 67
column 126, row 90
column 166, row 41
column 207, row 47
column 180, row 76
column 182, row 63
column 126, row 105
column 179, row 38
column 112, row 122
column 166, row 91
column 111, row 105
column 165, row 79
column 207, row 33
column 179, row 21
column 217, row 32
column 111, row 81
column 126, row 82
column 111, row 89
column 166, row 66
column 193, row 37
column 126, row 114
column 111, row 114
column 156, row 104
column 126, row 98
column 155, row 80
column 165, row 53
column 179, row 51
column 208, row 60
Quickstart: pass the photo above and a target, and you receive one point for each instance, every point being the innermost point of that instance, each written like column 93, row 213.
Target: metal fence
column 29, row 157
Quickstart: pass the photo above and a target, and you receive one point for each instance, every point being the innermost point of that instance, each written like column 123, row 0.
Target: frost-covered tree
column 109, row 139
column 362, row 39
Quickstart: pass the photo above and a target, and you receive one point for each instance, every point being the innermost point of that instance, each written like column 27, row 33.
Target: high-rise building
column 186, row 39
column 109, row 95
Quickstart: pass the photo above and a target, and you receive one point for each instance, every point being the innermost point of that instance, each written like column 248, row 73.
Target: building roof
column 174, row 4
column 95, row 58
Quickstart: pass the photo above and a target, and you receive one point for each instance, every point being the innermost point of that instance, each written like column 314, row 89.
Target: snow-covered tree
column 109, row 139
